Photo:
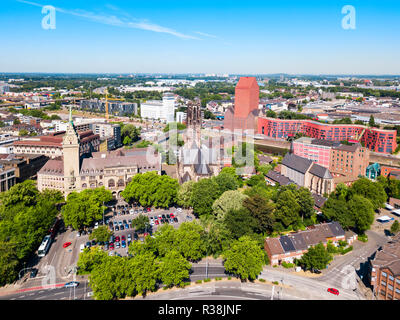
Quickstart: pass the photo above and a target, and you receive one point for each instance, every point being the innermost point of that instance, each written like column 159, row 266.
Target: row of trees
column 354, row 207
column 26, row 216
column 164, row 259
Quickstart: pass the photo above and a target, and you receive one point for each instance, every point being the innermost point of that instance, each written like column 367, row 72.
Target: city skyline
column 222, row 38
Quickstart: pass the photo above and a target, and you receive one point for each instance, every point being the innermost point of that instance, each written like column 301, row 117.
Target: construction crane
column 107, row 109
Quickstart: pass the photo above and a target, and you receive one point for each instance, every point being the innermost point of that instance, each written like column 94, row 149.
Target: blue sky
column 269, row 36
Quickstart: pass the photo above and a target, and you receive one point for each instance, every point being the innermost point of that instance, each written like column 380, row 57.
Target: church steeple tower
column 71, row 152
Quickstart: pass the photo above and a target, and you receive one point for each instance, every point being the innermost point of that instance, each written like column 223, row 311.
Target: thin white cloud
column 206, row 34
column 113, row 20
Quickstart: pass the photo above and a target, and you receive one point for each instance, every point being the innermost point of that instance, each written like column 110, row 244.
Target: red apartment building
column 385, row 271
column 378, row 140
column 317, row 150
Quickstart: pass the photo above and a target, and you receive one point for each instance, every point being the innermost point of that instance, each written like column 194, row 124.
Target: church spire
column 70, row 115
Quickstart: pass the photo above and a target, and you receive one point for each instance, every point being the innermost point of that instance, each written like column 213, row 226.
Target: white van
column 388, row 207
column 396, row 212
column 82, row 247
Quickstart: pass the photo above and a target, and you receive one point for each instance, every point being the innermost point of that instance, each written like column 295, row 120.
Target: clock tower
column 71, row 151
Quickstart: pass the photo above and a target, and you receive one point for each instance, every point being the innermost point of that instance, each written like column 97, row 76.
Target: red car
column 172, row 215
column 157, row 223
column 67, row 244
column 117, row 239
column 333, row 291
column 146, row 234
column 111, row 247
column 123, row 238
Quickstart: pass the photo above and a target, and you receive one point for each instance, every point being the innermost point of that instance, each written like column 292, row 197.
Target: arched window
column 111, row 183
column 121, row 183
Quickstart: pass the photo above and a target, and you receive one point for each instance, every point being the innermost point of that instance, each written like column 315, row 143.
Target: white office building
column 159, row 110
column 180, row 117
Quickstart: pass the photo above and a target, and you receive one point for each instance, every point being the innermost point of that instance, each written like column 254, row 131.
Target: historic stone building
column 307, row 173
column 113, row 169
column 197, row 160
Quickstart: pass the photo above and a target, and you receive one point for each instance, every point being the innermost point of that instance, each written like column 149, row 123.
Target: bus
column 44, row 247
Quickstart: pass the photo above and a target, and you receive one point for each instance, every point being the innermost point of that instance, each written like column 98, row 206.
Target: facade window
column 384, row 274
column 391, row 277
column 383, row 283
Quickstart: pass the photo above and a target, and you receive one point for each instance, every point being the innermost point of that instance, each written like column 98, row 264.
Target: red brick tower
column 245, row 113
column 247, row 96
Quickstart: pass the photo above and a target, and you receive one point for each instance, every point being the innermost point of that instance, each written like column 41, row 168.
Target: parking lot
column 118, row 219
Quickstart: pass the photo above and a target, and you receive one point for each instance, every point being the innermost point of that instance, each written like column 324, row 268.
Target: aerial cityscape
column 174, row 156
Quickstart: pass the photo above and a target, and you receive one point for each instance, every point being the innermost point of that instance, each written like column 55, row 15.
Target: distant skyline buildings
column 214, row 37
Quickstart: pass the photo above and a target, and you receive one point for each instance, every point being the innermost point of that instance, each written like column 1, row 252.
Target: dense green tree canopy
column 226, row 181
column 151, row 189
column 229, row 200
column 205, row 192
column 190, row 241
column 174, row 269
column 245, row 258
column 240, row 223
column 185, row 194
column 141, row 223
column 371, row 190
column 26, row 216
column 316, row 257
column 83, row 208
column 262, row 210
column 101, row 234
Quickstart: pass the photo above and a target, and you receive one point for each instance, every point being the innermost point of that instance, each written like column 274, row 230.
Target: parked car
column 116, row 228
column 88, row 244
column 82, row 247
column 129, row 237
column 93, row 242
column 157, row 223
column 71, row 284
column 123, row 238
column 333, row 291
column 121, row 227
column 112, row 239
column 117, row 245
column 33, row 274
column 117, row 239
column 96, row 225
column 123, row 244
column 111, row 247
column 172, row 215
column 171, row 220
column 176, row 219
column 135, row 236
column 163, row 216
column 67, row 244
column 179, row 209
column 168, row 216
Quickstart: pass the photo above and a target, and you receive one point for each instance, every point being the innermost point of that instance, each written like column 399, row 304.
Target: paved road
column 82, row 292
column 307, row 288
column 338, row 272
